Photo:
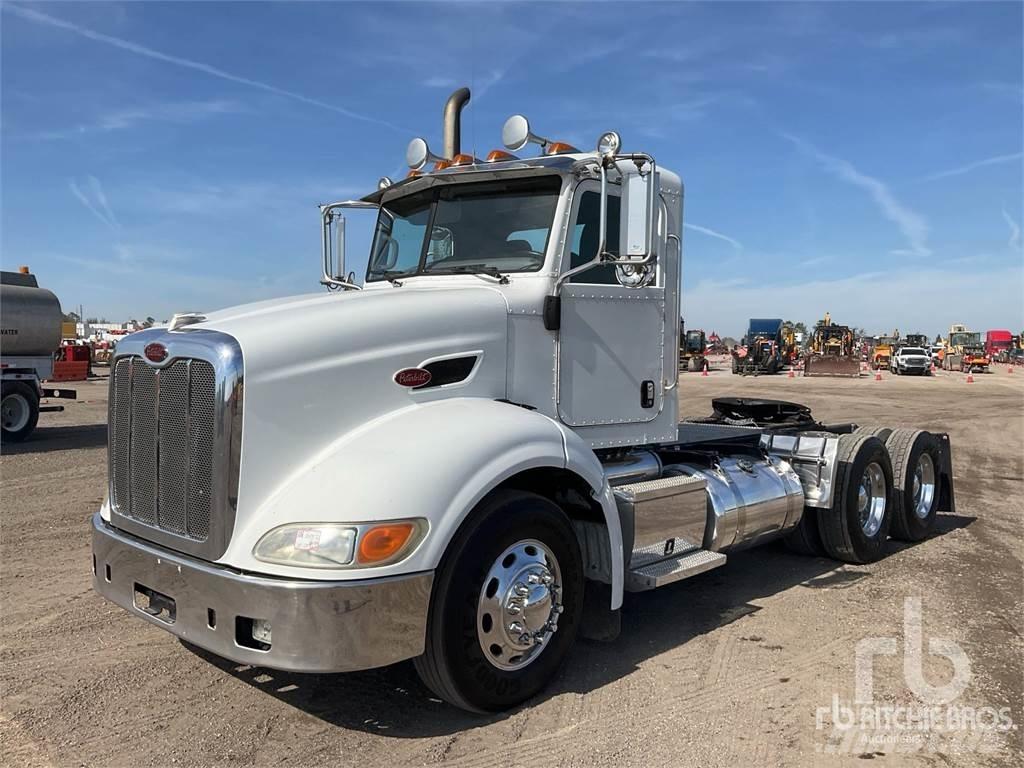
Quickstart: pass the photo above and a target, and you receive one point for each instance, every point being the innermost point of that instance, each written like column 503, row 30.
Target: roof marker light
column 499, row 156
column 560, row 148
column 463, row 159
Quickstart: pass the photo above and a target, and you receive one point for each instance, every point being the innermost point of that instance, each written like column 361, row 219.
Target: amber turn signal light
column 384, row 541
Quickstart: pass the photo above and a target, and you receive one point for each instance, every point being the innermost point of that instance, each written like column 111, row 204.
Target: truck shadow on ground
column 393, row 702
column 49, row 439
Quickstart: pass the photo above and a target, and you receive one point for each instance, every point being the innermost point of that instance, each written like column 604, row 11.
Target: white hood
column 318, row 366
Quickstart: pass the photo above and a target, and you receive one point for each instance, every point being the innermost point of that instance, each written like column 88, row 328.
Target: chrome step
column 682, row 566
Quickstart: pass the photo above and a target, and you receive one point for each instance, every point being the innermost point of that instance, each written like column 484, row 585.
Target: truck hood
column 317, row 367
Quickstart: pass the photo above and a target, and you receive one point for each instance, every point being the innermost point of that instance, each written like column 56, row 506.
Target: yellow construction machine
column 885, row 348
column 832, row 351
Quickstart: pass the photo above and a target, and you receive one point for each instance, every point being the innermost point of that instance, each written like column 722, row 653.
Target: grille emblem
column 412, row 377
column 155, row 352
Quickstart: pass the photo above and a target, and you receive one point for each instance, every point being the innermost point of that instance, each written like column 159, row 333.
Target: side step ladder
column 681, row 566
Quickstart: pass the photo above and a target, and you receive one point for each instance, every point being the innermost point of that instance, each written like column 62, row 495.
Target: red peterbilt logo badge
column 412, row 377
column 155, row 352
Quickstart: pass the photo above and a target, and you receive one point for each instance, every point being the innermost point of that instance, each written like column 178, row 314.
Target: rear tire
column 805, row 539
column 855, row 529
column 915, row 465
column 470, row 657
column 20, row 409
column 882, row 433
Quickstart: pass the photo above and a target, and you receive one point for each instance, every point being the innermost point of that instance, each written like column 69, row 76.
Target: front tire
column 855, row 529
column 507, row 602
column 20, row 410
column 915, row 464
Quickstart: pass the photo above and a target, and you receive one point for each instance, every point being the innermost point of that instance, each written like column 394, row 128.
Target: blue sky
column 862, row 158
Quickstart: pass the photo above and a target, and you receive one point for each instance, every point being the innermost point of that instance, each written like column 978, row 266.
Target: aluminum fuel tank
column 750, row 500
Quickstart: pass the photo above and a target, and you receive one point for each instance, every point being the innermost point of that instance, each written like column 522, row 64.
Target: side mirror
column 637, row 208
column 332, row 244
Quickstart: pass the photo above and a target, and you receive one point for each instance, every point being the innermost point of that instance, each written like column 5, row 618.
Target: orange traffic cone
column 791, row 374
column 705, row 371
column 970, row 377
column 1009, row 368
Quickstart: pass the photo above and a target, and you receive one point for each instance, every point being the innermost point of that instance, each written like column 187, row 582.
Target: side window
column 586, row 237
column 399, row 239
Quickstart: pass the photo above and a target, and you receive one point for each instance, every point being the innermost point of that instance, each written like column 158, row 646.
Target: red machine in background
column 72, row 362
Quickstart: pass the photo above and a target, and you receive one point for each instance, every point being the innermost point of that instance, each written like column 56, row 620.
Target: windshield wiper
column 392, row 275
column 474, row 269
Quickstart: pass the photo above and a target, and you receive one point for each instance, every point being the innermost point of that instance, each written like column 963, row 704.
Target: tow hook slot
column 156, row 604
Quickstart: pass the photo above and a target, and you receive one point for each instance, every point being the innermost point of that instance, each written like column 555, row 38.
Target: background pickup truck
column 911, row 360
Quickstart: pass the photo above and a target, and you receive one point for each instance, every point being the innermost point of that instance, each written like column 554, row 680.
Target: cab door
column 611, row 355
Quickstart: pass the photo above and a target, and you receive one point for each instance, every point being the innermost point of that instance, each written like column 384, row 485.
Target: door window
column 586, row 237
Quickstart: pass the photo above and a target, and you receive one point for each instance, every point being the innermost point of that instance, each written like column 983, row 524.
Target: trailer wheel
column 20, row 410
column 915, row 466
column 506, row 604
column 854, row 530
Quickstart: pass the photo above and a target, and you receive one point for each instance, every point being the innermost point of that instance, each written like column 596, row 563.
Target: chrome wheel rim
column 520, row 602
column 924, row 486
column 15, row 412
column 871, row 499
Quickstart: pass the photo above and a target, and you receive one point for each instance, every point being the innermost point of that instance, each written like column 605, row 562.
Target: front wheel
column 506, row 604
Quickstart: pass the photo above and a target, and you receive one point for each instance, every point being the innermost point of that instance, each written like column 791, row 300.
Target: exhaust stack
column 453, row 122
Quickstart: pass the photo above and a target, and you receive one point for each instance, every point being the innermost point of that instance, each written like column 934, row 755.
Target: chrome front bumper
column 317, row 626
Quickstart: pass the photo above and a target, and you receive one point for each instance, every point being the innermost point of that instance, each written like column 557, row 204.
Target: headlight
column 311, row 546
column 314, row 545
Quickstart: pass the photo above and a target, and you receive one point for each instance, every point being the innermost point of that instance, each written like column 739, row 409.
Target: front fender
column 434, row 461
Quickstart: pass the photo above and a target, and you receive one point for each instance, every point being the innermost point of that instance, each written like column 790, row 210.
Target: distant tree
column 72, row 317
column 798, row 327
column 938, row 338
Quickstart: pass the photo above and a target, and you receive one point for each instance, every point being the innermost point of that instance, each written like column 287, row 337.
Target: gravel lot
column 728, row 668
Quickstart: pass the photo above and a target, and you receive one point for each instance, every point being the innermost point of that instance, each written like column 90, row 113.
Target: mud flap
column 599, row 623
column 947, row 499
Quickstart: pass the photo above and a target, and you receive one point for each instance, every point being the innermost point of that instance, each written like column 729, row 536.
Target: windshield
column 489, row 227
column 912, row 351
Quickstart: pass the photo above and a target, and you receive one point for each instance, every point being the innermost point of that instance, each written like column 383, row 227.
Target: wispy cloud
column 38, row 17
column 181, row 112
column 715, row 234
column 959, row 171
column 439, row 82
column 815, row 261
column 913, row 225
column 1014, row 241
column 95, row 201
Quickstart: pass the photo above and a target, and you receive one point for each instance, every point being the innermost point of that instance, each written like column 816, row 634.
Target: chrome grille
column 162, row 434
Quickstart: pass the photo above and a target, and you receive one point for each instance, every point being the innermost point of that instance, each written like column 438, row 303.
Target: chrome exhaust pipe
column 453, row 122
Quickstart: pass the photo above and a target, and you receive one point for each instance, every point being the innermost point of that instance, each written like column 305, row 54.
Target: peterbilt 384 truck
column 468, row 457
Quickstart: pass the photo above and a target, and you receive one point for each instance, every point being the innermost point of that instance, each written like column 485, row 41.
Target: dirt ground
column 731, row 668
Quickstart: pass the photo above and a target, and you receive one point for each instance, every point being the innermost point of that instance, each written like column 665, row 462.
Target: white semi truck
column 469, row 457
